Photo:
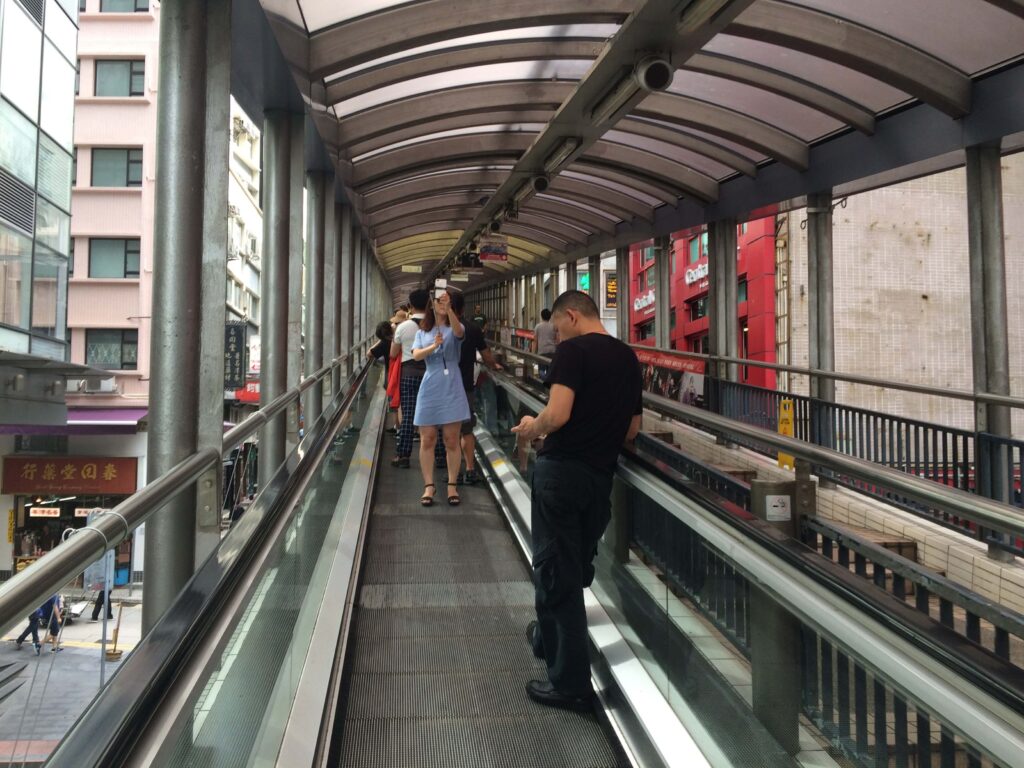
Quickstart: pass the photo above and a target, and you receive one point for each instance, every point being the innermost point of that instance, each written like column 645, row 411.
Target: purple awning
column 85, row 421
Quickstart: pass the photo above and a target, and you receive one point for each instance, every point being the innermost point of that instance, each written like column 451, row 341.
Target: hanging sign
column 493, row 248
column 235, row 349
column 68, row 475
column 44, row 512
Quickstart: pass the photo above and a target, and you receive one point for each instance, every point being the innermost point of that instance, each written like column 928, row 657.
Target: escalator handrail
column 113, row 722
column 25, row 591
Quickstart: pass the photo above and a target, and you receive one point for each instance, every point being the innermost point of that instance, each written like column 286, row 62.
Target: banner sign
column 69, row 475
column 250, row 393
column 611, row 290
column 44, row 512
column 493, row 248
column 786, row 428
column 676, row 377
column 235, row 348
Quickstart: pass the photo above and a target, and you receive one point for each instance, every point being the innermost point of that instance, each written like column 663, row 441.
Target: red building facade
column 688, row 327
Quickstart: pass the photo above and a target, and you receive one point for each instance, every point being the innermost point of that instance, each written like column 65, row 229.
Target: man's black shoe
column 471, row 477
column 545, row 693
column 533, row 640
column 402, row 462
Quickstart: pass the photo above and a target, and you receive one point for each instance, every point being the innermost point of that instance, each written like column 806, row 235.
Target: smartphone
column 440, row 286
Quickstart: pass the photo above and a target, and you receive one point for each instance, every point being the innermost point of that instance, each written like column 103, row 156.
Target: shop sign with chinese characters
column 64, row 475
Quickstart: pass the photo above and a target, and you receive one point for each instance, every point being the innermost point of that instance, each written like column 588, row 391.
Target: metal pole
column 822, row 321
column 727, row 240
column 210, row 429
column 296, row 181
column 622, row 293
column 177, row 295
column 345, row 264
column 274, row 286
column 663, row 308
column 315, row 230
column 571, row 277
column 594, row 268
column 358, row 297
column 555, row 288
column 541, row 295
column 334, row 280
column 989, row 327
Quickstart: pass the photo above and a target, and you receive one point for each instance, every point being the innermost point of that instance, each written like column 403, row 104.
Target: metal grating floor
column 438, row 660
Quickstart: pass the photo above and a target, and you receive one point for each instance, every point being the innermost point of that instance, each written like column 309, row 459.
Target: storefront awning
column 85, row 421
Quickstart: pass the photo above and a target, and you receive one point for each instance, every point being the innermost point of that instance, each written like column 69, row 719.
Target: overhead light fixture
column 560, row 155
column 700, row 13
column 650, row 74
column 535, row 185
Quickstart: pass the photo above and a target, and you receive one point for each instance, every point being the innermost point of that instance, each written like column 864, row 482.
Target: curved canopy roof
column 437, row 112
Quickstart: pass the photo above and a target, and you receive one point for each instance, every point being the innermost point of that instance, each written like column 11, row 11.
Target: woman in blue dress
column 441, row 403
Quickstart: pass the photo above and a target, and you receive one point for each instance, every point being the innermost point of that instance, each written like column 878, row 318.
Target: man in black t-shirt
column 593, row 408
column 472, row 343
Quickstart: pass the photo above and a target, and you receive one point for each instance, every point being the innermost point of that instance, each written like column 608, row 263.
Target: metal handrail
column 24, row 592
column 979, row 509
column 851, row 378
column 990, row 513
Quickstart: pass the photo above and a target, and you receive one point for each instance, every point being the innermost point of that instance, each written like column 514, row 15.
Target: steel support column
column 594, row 269
column 555, row 287
column 622, row 283
column 572, row 280
column 821, row 320
column 177, row 295
column 337, row 279
column 210, row 427
column 989, row 328
column 722, row 320
column 357, row 282
column 346, row 266
column 274, row 282
column 316, row 184
column 541, row 297
column 296, row 258
column 663, row 292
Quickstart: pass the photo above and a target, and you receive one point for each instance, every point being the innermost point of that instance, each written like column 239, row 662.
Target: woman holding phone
column 441, row 403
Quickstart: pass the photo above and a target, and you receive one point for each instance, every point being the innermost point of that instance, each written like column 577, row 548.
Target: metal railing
column 943, row 455
column 25, row 591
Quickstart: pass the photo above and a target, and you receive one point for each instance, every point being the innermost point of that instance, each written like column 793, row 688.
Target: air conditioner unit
column 99, row 386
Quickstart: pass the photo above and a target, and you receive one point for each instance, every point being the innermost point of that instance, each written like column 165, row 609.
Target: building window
column 743, row 228
column 81, row 5
column 114, row 258
column 646, row 331
column 117, row 168
column 71, row 258
column 648, row 255
column 74, row 167
column 640, row 283
column 652, row 278
column 78, row 75
column 741, row 292
column 124, row 6
column 672, row 319
column 112, row 350
column 698, row 308
column 701, row 345
column 120, row 78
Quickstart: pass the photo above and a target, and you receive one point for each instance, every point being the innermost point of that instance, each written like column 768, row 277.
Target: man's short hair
column 419, row 299
column 545, row 315
column 577, row 301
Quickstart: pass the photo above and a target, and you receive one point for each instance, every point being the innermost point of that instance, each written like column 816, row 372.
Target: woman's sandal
column 427, row 501
column 454, row 501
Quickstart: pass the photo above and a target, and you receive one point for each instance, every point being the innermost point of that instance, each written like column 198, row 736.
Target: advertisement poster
column 611, row 290
column 493, row 248
column 676, row 377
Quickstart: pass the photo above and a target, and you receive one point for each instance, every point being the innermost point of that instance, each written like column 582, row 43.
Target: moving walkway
column 340, row 623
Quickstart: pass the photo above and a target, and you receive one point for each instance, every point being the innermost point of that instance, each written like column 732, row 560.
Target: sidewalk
column 57, row 687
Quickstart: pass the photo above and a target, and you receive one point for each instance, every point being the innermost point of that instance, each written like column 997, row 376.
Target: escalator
column 343, row 624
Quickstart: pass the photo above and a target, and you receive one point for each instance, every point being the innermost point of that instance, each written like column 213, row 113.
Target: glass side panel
column 57, row 112
column 20, row 60
column 263, row 658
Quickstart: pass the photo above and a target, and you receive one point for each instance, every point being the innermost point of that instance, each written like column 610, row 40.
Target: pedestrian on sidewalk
column 31, row 629
column 104, row 596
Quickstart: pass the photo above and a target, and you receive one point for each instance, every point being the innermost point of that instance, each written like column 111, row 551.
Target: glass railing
column 770, row 658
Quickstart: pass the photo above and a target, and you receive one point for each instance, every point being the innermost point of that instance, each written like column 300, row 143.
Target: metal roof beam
column 860, row 48
column 394, row 29
column 457, row 57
